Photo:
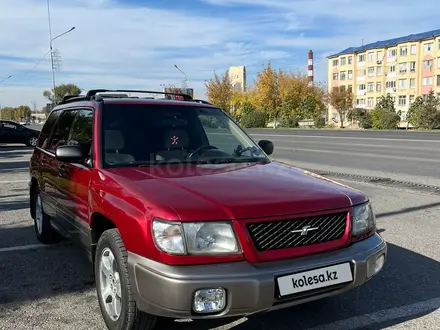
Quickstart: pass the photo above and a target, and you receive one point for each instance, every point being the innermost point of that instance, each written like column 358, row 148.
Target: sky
column 134, row 44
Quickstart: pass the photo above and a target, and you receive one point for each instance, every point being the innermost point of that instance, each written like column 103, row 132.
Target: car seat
column 175, row 143
column 114, row 141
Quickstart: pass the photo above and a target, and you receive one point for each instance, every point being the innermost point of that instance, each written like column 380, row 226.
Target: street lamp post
column 184, row 82
column 51, row 60
column 0, row 83
column 51, row 50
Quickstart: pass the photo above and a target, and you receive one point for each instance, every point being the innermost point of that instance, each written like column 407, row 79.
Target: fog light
column 378, row 265
column 209, row 300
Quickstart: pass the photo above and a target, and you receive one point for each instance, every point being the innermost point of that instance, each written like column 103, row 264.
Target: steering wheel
column 205, row 147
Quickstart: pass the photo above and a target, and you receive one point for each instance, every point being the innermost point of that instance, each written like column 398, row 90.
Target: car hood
column 238, row 191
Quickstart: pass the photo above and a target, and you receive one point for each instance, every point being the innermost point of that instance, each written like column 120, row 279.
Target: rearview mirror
column 70, row 154
column 267, row 146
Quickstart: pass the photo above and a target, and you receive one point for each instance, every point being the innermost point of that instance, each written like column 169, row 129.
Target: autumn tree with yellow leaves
column 285, row 95
column 219, row 91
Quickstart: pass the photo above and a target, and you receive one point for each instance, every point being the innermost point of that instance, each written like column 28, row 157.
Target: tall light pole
column 0, row 83
column 184, row 82
column 51, row 50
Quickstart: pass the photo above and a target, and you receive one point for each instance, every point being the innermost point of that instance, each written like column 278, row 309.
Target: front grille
column 285, row 234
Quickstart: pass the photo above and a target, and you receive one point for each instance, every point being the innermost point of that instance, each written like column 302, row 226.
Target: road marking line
column 14, row 181
column 338, row 137
column 23, row 247
column 385, row 315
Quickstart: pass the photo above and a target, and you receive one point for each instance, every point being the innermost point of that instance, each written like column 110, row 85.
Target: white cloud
column 117, row 45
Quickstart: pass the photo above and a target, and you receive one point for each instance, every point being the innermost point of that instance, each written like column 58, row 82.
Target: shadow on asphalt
column 15, row 167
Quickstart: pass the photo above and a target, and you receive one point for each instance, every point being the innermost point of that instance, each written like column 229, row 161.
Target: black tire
column 45, row 233
column 130, row 318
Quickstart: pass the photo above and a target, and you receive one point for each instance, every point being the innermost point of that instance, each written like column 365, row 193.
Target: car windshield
column 151, row 134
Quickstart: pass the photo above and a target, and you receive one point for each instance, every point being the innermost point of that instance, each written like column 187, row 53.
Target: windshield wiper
column 230, row 160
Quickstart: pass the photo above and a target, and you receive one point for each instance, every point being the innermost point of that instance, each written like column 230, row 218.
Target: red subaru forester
column 185, row 216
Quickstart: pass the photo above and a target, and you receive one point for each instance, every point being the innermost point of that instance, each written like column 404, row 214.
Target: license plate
column 315, row 279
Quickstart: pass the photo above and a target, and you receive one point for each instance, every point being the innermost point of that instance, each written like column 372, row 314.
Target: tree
column 287, row 96
column 22, row 112
column 219, row 91
column 384, row 115
column 342, row 100
column 61, row 91
column 268, row 96
column 425, row 113
column 361, row 116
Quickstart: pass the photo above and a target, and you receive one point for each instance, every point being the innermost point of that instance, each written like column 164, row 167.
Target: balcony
column 391, row 74
column 361, row 93
column 360, row 78
column 361, row 63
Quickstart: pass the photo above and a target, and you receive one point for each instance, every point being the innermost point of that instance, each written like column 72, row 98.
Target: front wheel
column 116, row 301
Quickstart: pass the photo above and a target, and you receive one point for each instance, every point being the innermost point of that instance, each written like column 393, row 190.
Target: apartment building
column 404, row 67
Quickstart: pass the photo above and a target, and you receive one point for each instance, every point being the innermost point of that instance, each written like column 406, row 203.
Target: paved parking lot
column 52, row 288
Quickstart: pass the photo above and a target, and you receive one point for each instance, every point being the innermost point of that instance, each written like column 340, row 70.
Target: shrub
column 254, row 119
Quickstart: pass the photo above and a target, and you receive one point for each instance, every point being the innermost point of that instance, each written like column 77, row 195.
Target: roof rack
column 93, row 95
column 202, row 101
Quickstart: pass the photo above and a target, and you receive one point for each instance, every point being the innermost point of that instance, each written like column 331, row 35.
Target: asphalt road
column 401, row 155
column 51, row 288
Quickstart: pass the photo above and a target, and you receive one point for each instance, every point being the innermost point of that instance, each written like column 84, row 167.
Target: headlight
column 364, row 219
column 201, row 238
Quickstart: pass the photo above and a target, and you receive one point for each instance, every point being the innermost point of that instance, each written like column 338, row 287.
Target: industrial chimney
column 310, row 68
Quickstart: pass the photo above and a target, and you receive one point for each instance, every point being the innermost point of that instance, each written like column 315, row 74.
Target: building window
column 361, row 72
column 392, row 53
column 413, row 49
column 412, row 66
column 378, row 71
column 438, row 80
column 394, row 99
column 342, row 75
column 390, row 84
column 371, row 71
column 402, row 83
column 411, row 99
column 392, row 68
column 438, row 62
column 361, row 58
column 378, row 87
column 427, row 81
column 350, row 59
column 350, row 88
column 403, row 51
column 362, row 87
column 377, row 99
column 335, row 76
column 370, row 102
column 370, row 57
column 438, row 41
column 412, row 83
column 350, row 74
column 402, row 67
column 427, row 47
column 402, row 99
column 379, row 56
column 370, row 87
column 360, row 101
column 335, row 62
column 427, row 65
column 343, row 60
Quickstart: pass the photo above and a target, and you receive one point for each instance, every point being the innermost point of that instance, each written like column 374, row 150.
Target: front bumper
column 168, row 291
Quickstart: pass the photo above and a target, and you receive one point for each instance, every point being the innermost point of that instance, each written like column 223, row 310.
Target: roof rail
column 93, row 95
column 93, row 92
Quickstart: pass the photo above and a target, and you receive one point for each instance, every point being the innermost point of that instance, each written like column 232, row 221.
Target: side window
column 81, row 132
column 62, row 130
column 47, row 129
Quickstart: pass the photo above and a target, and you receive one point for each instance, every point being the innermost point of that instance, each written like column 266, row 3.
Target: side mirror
column 70, row 154
column 267, row 146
